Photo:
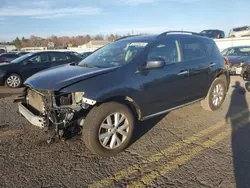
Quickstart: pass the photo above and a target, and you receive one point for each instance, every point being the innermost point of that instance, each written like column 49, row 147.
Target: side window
column 41, row 58
column 59, row 57
column 192, row 49
column 168, row 50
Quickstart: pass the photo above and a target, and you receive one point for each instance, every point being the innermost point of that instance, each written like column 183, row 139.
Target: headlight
column 78, row 96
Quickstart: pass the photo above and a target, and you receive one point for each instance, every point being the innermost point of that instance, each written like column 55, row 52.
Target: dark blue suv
column 133, row 78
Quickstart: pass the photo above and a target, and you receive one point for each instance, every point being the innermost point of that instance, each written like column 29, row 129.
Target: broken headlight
column 78, row 97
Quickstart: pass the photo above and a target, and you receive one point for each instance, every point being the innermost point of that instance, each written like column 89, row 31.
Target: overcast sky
column 77, row 17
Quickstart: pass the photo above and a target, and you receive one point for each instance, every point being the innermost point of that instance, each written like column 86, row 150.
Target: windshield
column 114, row 54
column 241, row 51
column 20, row 59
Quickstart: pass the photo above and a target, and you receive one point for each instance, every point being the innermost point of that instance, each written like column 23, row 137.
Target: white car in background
column 240, row 32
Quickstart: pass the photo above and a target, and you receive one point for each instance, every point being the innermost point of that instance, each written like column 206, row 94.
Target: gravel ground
column 188, row 147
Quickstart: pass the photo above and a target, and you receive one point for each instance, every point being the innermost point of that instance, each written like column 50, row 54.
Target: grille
column 35, row 100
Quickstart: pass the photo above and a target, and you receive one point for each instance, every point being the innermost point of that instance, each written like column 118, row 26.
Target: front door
column 167, row 87
column 34, row 64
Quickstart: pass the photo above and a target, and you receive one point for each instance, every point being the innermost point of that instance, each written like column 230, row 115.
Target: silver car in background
column 243, row 31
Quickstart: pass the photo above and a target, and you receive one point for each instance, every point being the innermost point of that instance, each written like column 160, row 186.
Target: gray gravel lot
column 188, row 147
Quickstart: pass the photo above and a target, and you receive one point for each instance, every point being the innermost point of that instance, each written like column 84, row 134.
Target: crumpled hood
column 63, row 76
column 239, row 59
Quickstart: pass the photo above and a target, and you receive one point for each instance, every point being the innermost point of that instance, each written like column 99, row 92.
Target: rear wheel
column 108, row 128
column 215, row 96
column 13, row 81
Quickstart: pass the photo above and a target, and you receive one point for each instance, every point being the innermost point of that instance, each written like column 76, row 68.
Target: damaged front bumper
column 55, row 112
column 33, row 119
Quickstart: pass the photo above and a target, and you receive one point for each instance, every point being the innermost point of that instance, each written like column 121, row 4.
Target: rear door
column 59, row 58
column 200, row 66
column 34, row 64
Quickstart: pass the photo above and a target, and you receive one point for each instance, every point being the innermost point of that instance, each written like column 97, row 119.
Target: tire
column 14, row 81
column 247, row 85
column 245, row 76
column 210, row 103
column 92, row 131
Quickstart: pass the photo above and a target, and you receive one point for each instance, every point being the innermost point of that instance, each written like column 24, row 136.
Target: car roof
column 212, row 30
column 243, row 46
column 150, row 38
column 9, row 54
column 138, row 37
column 241, row 26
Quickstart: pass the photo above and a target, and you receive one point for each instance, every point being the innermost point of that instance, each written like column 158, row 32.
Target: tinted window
column 240, row 51
column 241, row 29
column 192, row 49
column 59, row 57
column 40, row 58
column 11, row 56
column 168, row 50
column 212, row 49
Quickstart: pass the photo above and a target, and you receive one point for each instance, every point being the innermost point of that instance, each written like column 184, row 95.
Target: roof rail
column 181, row 32
column 126, row 37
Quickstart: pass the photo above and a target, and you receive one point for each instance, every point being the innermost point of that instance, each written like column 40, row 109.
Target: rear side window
column 59, row 57
column 192, row 49
column 212, row 49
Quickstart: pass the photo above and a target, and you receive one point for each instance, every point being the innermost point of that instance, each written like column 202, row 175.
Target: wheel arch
column 224, row 78
column 129, row 102
column 13, row 72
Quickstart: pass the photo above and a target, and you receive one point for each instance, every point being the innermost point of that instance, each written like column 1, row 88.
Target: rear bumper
column 33, row 119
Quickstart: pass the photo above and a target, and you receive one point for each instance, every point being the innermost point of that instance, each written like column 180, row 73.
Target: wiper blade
column 88, row 66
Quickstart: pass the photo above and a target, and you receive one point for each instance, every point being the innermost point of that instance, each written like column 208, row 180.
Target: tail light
column 226, row 61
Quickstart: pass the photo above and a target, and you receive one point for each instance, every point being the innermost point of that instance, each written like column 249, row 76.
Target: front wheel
column 215, row 96
column 108, row 129
column 13, row 81
column 245, row 76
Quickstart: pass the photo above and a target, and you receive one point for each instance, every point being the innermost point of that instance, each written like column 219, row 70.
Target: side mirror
column 155, row 63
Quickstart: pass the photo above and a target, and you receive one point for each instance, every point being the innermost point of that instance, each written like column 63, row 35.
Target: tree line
column 60, row 41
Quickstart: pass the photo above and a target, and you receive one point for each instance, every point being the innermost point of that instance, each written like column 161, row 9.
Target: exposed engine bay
column 58, row 112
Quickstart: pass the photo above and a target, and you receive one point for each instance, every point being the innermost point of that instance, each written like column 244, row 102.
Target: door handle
column 182, row 73
column 212, row 64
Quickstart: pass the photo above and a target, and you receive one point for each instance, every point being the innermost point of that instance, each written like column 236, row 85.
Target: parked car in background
column 2, row 51
column 22, row 53
column 239, row 59
column 8, row 57
column 86, row 54
column 76, row 53
column 213, row 33
column 240, row 32
column 15, row 73
column 137, row 77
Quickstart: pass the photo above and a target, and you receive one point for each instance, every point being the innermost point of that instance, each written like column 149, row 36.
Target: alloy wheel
column 13, row 81
column 113, row 130
column 218, row 94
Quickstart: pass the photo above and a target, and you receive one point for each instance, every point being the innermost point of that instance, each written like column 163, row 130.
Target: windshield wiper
column 88, row 66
